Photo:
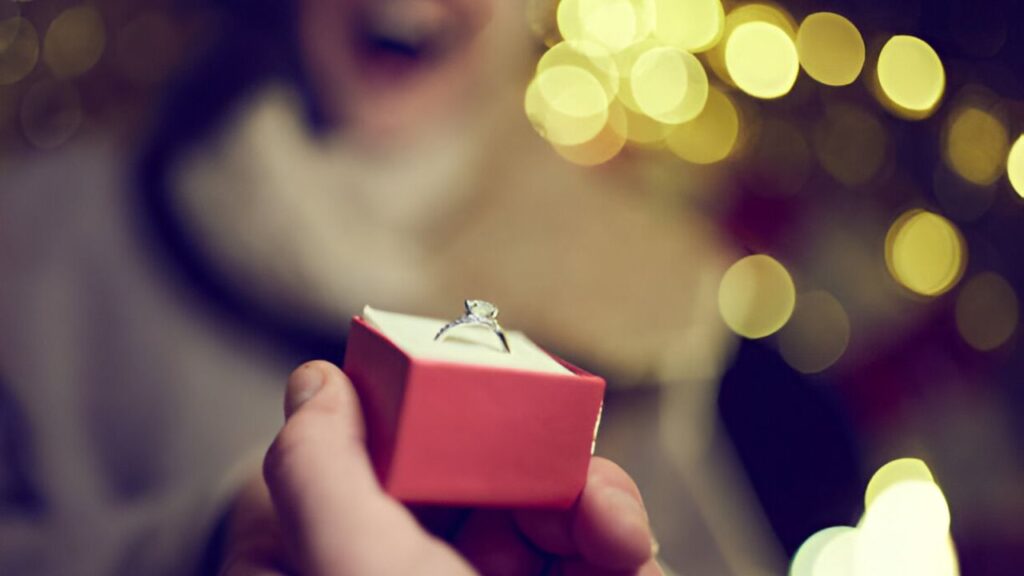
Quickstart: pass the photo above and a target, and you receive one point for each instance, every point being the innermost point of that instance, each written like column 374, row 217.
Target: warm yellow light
column 910, row 73
column 1015, row 165
column 669, row 85
column 905, row 532
column 806, row 557
column 756, row 296
column 566, row 105
column 602, row 147
column 585, row 55
column 74, row 41
column 22, row 51
column 644, row 131
column 987, row 311
column 711, row 136
column 893, row 473
column 615, row 24
column 817, row 334
column 831, row 48
column 976, row 145
column 847, row 132
column 762, row 59
column 756, row 12
column 838, row 557
column 925, row 252
column 692, row 25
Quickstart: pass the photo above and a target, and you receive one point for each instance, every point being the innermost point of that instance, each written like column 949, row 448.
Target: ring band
column 478, row 313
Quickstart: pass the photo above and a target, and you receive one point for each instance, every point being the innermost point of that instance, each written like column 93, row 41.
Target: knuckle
column 285, row 452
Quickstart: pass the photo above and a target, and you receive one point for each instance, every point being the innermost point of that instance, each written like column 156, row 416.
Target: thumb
column 334, row 514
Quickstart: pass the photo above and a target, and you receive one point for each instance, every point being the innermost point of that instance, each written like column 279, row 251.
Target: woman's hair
column 255, row 43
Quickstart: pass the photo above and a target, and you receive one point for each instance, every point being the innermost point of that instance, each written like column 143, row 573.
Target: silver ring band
column 478, row 313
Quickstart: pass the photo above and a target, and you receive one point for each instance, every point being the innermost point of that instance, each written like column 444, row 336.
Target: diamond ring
column 478, row 313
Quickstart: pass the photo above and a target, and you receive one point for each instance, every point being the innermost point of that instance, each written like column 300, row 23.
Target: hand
column 325, row 513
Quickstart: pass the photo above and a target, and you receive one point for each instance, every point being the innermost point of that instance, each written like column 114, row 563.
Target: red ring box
column 456, row 434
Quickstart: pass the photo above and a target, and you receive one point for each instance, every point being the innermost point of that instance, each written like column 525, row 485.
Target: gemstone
column 482, row 309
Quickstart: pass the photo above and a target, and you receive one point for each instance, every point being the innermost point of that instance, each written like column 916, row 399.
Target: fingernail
column 306, row 382
column 655, row 547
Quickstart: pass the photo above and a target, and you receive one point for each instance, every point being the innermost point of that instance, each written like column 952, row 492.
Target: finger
column 608, row 526
column 495, row 547
column 332, row 510
column 611, row 527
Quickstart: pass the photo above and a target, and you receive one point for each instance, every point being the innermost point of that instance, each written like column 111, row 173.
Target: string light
column 74, row 41
column 20, row 55
column 691, row 25
column 711, row 136
column 762, row 60
column 976, row 145
column 911, row 75
column 987, row 311
column 1015, row 165
column 756, row 296
column 831, row 49
column 925, row 252
column 817, row 334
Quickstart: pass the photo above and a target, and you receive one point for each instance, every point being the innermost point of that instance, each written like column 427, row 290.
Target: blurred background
column 861, row 168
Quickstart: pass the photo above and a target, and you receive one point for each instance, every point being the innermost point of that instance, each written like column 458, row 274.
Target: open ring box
column 461, row 422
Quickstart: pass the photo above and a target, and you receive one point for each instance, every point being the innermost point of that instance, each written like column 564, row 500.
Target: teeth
column 411, row 23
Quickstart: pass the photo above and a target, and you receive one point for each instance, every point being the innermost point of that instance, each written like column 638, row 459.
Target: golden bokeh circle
column 692, row 25
column 925, row 252
column 711, row 136
column 74, row 41
column 22, row 50
column 756, row 296
column 831, row 49
column 817, row 334
column 762, row 60
column 987, row 311
column 1015, row 165
column 976, row 145
column 911, row 74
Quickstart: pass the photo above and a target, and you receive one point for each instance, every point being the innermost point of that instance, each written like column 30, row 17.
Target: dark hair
column 255, row 44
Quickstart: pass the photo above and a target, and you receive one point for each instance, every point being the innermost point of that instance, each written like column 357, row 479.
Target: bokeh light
column 893, row 473
column 925, row 252
column 817, row 334
column 669, row 85
column 780, row 153
column 1015, row 165
column 588, row 56
column 566, row 105
column 910, row 74
column 904, row 531
column 602, row 147
column 746, row 13
column 847, row 132
column 762, row 59
column 615, row 24
column 711, row 136
column 691, row 25
column 806, row 558
column 21, row 53
column 644, row 131
column 831, row 49
column 976, row 145
column 74, row 41
column 987, row 311
column 147, row 48
column 756, row 296
column 8, row 12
